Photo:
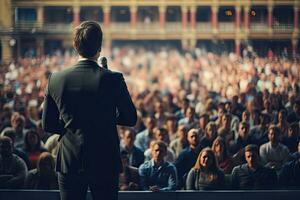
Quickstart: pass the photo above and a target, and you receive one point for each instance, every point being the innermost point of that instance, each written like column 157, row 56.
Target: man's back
column 84, row 104
column 86, row 97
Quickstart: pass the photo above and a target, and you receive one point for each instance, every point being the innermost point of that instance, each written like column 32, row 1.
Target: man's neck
column 83, row 58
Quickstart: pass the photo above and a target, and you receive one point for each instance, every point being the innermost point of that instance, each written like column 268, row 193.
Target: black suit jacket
column 80, row 104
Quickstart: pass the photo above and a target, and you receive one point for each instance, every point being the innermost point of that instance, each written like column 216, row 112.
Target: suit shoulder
column 59, row 74
column 117, row 75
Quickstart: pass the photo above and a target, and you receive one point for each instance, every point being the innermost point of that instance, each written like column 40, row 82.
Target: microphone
column 103, row 62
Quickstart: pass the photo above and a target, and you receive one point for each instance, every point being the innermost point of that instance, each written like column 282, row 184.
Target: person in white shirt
column 274, row 154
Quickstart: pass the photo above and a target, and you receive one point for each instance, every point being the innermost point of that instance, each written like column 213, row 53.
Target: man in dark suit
column 84, row 104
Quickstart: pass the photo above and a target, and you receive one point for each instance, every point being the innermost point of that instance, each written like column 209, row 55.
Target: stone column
column 40, row 15
column 193, row 17
column 184, row 12
column 294, row 46
column 76, row 15
column 214, row 17
column 238, row 17
column 162, row 16
column 133, row 11
column 246, row 18
column 106, row 13
column 270, row 17
column 40, row 47
column 296, row 18
column 6, row 49
column 238, row 47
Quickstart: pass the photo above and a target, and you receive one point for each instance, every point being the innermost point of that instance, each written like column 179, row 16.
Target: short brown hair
column 252, row 148
column 162, row 145
column 88, row 39
column 275, row 129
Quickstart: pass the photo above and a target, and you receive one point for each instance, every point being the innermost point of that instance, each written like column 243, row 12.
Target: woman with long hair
column 223, row 159
column 33, row 147
column 205, row 175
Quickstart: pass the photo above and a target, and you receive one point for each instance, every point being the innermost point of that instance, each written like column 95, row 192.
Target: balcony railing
column 61, row 28
column 124, row 27
column 173, row 27
column 258, row 27
column 283, row 28
column 46, row 27
column 226, row 27
column 204, row 27
column 27, row 25
column 150, row 28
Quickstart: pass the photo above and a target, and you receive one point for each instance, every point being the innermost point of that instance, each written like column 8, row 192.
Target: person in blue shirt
column 143, row 138
column 156, row 174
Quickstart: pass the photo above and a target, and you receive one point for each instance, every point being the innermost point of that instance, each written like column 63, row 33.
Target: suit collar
column 87, row 63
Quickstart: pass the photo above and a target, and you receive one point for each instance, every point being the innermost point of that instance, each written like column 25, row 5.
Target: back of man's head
column 88, row 39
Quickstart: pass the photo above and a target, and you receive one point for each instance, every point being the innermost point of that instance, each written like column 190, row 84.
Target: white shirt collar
column 82, row 59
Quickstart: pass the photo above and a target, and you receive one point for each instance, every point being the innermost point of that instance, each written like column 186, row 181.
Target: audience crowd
column 205, row 121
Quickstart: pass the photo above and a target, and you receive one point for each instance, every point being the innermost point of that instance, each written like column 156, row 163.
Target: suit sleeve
column 50, row 118
column 126, row 109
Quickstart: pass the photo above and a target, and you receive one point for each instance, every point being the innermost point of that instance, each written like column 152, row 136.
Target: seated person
column 210, row 134
column 178, row 144
column 158, row 175
column 253, row 175
column 293, row 136
column 135, row 155
column 224, row 161
column 17, row 151
column 273, row 154
column 187, row 158
column 129, row 178
column 44, row 177
column 33, row 147
column 161, row 134
column 242, row 139
column 13, row 169
column 142, row 139
column 296, row 155
column 258, row 134
column 205, row 175
column 18, row 125
column 289, row 176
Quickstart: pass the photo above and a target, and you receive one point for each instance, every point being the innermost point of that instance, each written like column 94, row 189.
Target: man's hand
column 154, row 188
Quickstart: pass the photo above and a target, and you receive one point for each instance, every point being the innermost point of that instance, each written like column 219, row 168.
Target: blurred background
column 44, row 27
